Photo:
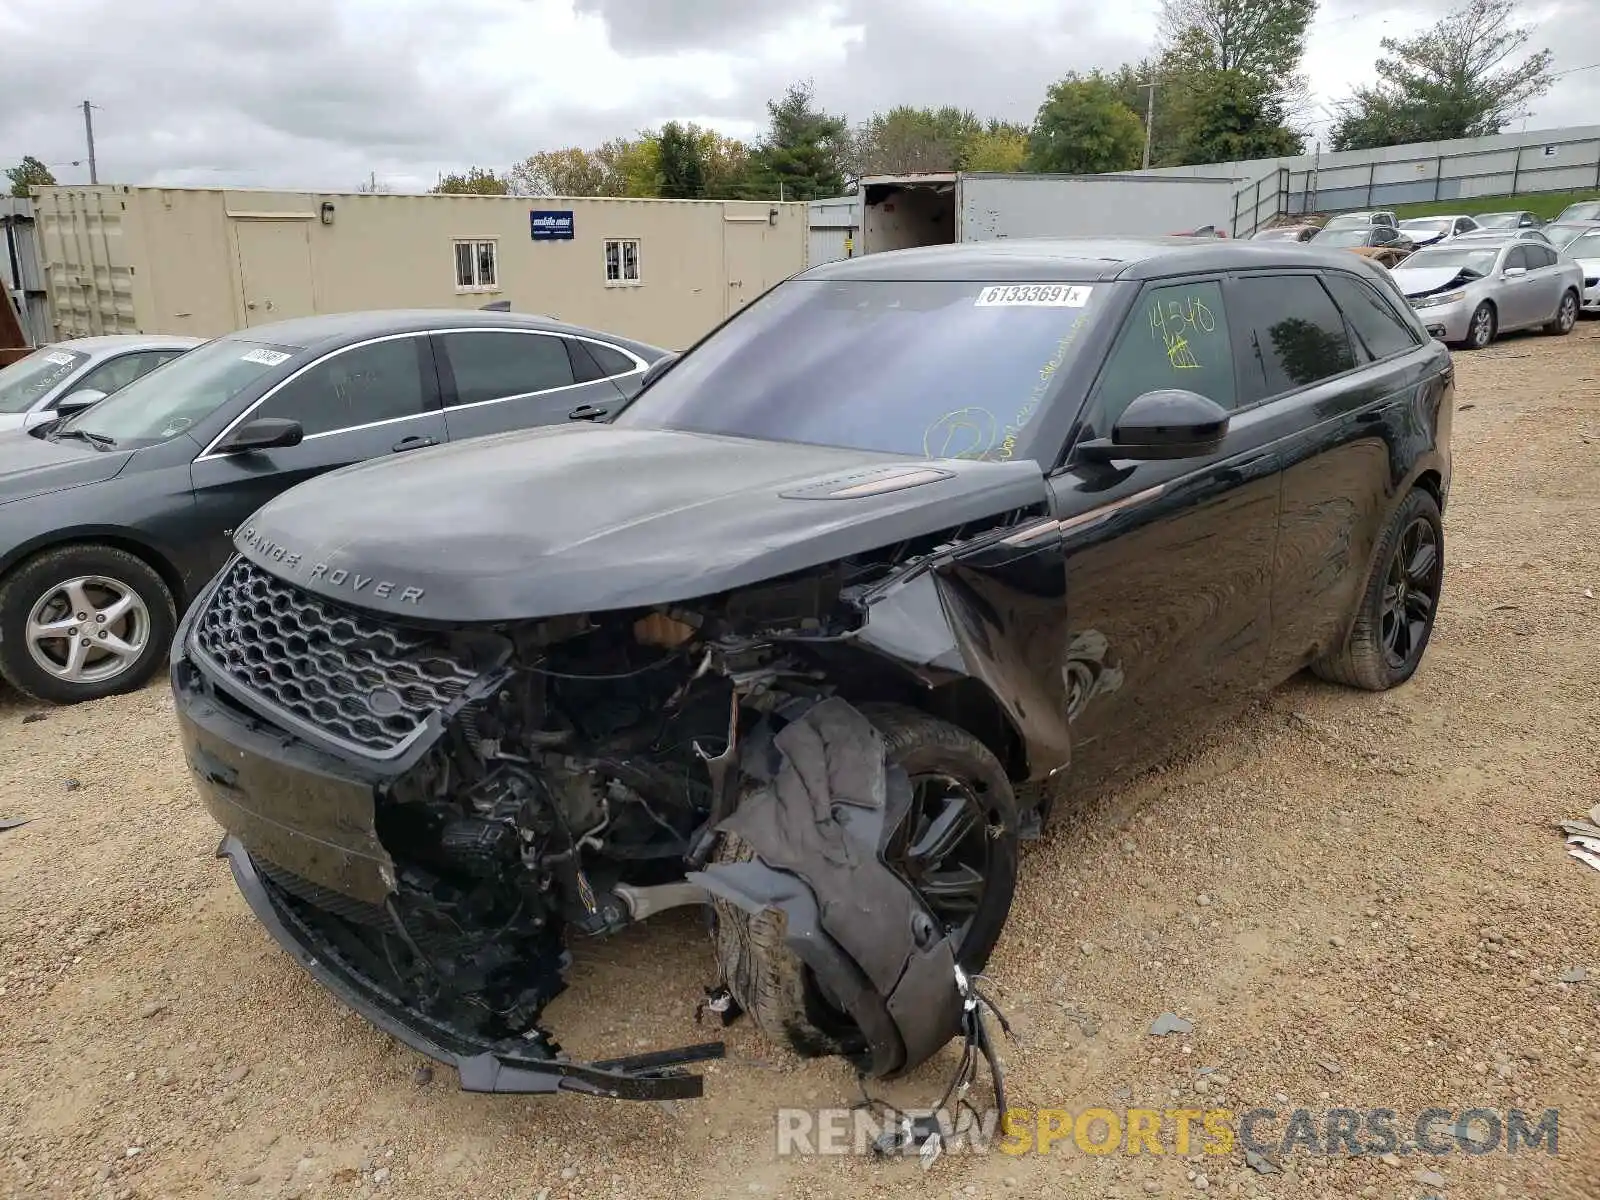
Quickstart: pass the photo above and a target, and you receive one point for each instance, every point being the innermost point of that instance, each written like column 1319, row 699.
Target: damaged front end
column 423, row 815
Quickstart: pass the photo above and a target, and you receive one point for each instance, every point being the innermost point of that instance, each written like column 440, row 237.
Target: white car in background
column 1584, row 250
column 1430, row 231
column 66, row 377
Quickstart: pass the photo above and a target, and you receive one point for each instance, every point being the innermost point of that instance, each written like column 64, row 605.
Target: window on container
column 622, row 261
column 477, row 266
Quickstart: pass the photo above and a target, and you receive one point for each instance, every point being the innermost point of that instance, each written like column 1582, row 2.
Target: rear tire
column 1566, row 318
column 83, row 622
column 1395, row 621
column 1482, row 328
column 772, row 984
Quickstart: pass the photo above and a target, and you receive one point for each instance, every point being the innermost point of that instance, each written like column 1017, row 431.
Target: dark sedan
column 811, row 633
column 110, row 524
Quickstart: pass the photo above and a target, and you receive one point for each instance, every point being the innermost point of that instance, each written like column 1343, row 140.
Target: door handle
column 587, row 412
column 416, row 442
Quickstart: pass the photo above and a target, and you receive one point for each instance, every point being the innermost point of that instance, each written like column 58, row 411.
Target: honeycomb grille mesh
column 368, row 685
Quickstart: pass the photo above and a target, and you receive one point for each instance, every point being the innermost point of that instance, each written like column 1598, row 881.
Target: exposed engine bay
column 586, row 779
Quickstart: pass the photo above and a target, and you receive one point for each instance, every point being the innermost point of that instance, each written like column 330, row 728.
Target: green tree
column 30, row 172
column 999, row 146
column 1452, row 81
column 727, row 163
column 683, row 167
column 1229, row 116
column 913, row 139
column 1084, row 128
column 1264, row 38
column 632, row 165
column 801, row 156
column 476, row 182
column 571, row 171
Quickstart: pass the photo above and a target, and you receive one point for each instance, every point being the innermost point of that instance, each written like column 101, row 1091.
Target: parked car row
column 112, row 517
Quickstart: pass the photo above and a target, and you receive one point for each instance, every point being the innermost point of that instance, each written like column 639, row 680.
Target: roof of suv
column 1080, row 260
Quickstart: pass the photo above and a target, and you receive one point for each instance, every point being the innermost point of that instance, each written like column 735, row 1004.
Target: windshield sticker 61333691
column 1033, row 295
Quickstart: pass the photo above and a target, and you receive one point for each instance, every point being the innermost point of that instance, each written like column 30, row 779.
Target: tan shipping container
column 207, row 261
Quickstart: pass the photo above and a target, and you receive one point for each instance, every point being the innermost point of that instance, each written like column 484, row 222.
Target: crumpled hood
column 1419, row 281
column 589, row 518
column 31, row 466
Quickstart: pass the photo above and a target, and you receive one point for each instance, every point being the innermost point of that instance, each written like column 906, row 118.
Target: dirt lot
column 1359, row 900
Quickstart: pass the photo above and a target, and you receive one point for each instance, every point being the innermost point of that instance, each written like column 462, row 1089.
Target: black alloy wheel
column 1411, row 593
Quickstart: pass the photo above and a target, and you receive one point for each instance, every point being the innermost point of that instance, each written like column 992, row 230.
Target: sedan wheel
column 1481, row 332
column 1566, row 315
column 83, row 622
column 88, row 630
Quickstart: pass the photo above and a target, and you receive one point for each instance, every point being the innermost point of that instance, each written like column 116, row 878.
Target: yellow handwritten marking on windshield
column 1174, row 321
column 1008, row 443
column 964, row 433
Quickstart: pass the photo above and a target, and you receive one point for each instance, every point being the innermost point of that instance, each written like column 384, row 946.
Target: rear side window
column 1540, row 256
column 1375, row 323
column 493, row 366
column 610, row 360
column 381, row 381
column 1176, row 337
column 1290, row 335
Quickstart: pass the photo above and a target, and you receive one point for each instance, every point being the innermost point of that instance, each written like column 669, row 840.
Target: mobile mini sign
column 549, row 226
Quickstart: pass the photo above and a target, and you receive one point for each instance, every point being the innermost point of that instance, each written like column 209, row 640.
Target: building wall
column 206, row 262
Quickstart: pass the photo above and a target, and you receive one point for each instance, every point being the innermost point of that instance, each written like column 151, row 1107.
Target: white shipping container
column 932, row 209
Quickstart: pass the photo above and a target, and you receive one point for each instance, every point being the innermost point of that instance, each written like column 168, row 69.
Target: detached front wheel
column 957, row 849
column 83, row 622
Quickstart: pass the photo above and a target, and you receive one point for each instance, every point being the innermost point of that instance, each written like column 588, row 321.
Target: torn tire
column 956, row 848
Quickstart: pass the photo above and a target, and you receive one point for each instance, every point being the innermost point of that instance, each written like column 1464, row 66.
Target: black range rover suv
column 811, row 633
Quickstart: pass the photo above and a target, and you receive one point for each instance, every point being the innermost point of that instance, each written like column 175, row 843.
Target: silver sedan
column 1468, row 291
column 68, row 376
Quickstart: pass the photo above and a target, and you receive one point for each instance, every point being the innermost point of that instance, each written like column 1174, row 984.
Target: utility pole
column 88, row 132
column 1149, row 118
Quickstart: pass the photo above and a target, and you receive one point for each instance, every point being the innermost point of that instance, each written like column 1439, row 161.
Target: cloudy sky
column 323, row 93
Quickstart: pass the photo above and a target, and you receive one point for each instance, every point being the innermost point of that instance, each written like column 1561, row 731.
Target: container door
column 742, row 260
column 274, row 270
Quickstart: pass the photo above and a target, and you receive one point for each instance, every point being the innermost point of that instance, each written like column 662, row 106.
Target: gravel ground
column 1358, row 900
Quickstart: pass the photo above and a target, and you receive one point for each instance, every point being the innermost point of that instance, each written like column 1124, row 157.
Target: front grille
column 363, row 684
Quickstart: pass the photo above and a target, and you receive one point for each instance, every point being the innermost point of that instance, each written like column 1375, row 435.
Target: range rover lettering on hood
column 337, row 577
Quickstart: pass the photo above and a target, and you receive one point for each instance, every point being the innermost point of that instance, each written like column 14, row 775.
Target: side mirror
column 1513, row 272
column 1170, row 423
column 75, row 402
column 656, row 370
column 264, row 433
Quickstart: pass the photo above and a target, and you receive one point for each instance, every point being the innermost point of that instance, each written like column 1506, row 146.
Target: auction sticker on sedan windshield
column 267, row 358
column 1033, row 295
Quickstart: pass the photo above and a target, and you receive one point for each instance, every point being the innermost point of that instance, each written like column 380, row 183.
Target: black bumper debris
column 482, row 1068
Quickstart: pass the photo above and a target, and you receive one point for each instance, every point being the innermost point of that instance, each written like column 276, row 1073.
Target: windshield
column 1349, row 221
column 1585, row 245
column 1342, row 237
column 1498, row 220
column 1585, row 211
column 27, row 380
column 170, row 399
column 1561, row 235
column 935, row 369
column 1453, row 258
column 1430, row 224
